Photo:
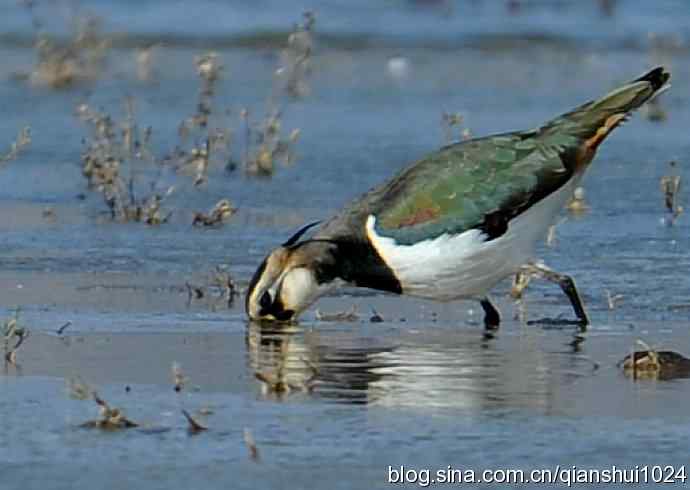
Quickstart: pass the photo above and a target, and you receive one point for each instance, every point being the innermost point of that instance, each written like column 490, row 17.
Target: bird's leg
column 492, row 318
column 567, row 285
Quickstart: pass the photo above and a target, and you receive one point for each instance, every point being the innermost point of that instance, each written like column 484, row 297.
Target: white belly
column 466, row 266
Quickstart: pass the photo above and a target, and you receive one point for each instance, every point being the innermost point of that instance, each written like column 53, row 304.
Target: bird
column 453, row 224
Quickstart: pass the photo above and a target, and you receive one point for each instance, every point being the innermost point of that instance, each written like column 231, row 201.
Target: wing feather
column 480, row 183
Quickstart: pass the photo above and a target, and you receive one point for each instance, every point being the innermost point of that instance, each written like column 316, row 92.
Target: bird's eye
column 265, row 301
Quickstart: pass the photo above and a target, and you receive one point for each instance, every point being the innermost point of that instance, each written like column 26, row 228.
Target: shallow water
column 426, row 388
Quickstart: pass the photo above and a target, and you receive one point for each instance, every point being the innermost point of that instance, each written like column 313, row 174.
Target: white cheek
column 299, row 289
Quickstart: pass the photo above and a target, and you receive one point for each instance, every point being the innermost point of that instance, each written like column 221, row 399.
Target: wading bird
column 455, row 223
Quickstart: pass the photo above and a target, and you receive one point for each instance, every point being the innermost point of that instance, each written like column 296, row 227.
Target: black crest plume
column 295, row 238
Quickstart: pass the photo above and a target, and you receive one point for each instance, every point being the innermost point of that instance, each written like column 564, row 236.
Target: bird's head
column 291, row 278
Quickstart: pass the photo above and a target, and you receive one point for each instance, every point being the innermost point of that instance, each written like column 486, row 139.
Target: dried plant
column 179, row 379
column 48, row 213
column 209, row 143
column 112, row 163
column 296, row 58
column 251, row 445
column 110, row 418
column 194, row 426
column 265, row 144
column 64, row 327
column 577, row 204
column 350, row 315
column 271, row 146
column 655, row 364
column 645, row 362
column 78, row 389
column 22, row 141
column 551, row 236
column 205, row 138
column 208, row 68
column 194, row 292
column 613, row 299
column 144, row 63
column 13, row 332
column 220, row 282
column 222, row 279
column 116, row 152
column 59, row 63
column 205, row 411
column 196, row 163
column 217, row 215
column 670, row 187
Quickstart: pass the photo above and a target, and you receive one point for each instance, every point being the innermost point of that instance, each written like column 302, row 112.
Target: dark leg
column 492, row 318
column 567, row 285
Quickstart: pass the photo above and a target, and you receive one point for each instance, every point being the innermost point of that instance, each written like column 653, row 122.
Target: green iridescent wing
column 480, row 183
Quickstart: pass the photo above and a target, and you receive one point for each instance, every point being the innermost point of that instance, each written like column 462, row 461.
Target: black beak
column 284, row 315
column 274, row 308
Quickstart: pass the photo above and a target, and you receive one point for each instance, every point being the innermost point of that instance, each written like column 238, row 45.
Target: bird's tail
column 597, row 118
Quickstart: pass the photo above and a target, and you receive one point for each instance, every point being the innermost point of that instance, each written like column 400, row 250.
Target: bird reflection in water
column 287, row 359
column 416, row 369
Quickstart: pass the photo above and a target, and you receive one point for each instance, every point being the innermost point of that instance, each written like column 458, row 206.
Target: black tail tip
column 658, row 77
